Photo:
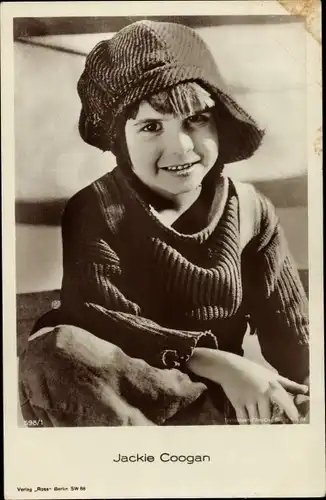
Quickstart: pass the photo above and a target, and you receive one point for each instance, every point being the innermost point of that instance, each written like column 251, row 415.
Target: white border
column 246, row 461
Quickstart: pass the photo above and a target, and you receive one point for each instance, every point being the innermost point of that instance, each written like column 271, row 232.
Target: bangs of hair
column 185, row 99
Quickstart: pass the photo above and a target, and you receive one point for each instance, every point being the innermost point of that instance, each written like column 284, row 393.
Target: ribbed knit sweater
column 158, row 293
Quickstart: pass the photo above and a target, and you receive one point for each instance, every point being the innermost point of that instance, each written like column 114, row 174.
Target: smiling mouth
column 179, row 168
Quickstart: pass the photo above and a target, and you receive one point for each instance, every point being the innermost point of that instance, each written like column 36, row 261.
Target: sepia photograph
column 161, row 288
column 161, row 168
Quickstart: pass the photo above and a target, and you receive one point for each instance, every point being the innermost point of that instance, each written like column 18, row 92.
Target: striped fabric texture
column 144, row 58
column 158, row 293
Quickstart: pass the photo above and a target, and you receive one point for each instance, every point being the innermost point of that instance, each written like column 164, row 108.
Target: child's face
column 171, row 154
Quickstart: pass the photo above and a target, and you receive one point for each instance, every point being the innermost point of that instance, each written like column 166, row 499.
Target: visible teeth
column 179, row 167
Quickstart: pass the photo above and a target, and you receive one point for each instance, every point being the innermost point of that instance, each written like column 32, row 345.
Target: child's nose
column 180, row 142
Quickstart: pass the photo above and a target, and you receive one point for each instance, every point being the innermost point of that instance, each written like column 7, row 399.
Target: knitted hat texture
column 142, row 59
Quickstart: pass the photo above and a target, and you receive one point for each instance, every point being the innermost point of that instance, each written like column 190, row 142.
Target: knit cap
column 142, row 59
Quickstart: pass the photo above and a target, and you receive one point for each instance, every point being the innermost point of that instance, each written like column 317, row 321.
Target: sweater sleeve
column 92, row 296
column 277, row 301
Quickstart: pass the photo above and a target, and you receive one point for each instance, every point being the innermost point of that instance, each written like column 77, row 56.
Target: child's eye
column 152, row 127
column 198, row 118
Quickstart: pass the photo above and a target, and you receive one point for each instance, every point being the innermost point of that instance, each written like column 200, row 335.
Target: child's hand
column 252, row 388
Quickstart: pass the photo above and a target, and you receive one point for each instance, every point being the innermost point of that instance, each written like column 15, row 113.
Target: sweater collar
column 138, row 196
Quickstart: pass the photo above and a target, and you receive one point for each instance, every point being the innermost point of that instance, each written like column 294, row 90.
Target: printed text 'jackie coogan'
column 164, row 458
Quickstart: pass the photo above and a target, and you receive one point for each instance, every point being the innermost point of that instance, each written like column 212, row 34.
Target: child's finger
column 284, row 400
column 253, row 414
column 301, row 398
column 292, row 386
column 264, row 408
column 241, row 414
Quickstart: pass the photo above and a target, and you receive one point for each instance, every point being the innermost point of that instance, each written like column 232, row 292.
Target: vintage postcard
column 163, row 322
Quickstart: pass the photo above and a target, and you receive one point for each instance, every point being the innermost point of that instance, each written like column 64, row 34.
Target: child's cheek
column 144, row 152
column 208, row 145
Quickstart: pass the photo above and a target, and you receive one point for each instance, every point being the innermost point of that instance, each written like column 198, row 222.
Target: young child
column 167, row 262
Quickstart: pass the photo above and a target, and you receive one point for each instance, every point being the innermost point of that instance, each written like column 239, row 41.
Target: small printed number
column 33, row 423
